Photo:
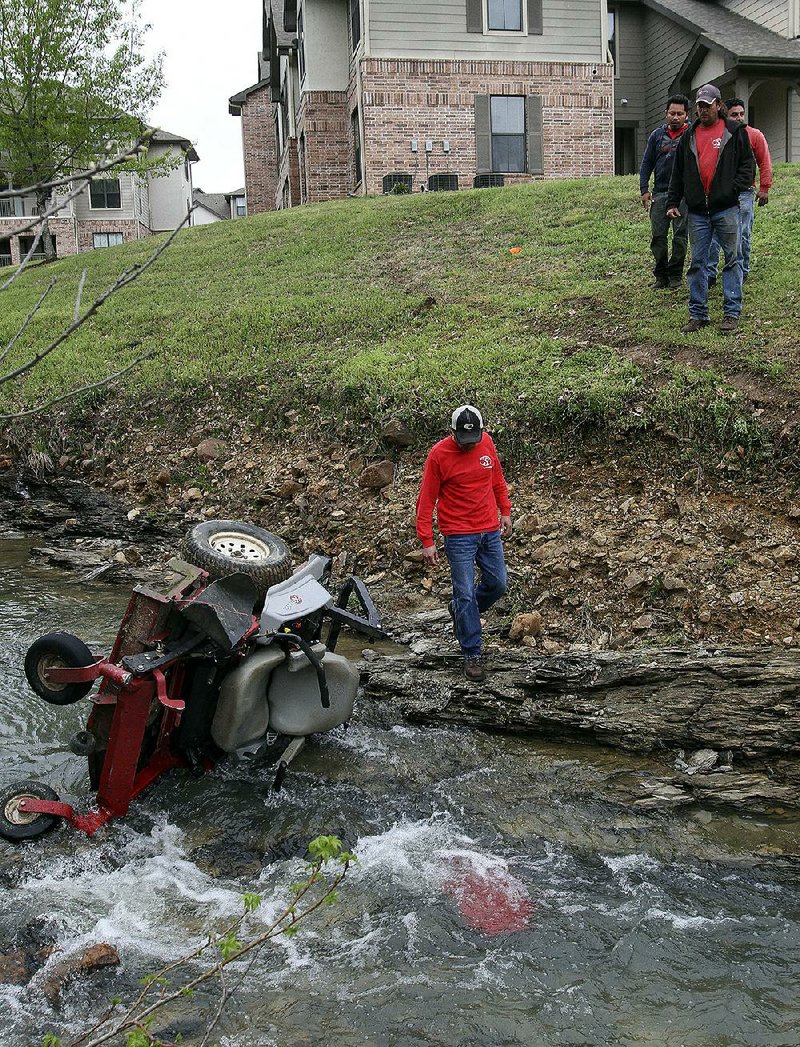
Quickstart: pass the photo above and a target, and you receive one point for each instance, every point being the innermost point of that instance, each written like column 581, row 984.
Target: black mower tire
column 55, row 650
column 225, row 547
column 15, row 825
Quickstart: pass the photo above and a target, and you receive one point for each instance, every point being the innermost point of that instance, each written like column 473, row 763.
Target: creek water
column 626, row 928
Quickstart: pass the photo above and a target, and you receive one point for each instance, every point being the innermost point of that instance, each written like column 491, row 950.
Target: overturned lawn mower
column 230, row 659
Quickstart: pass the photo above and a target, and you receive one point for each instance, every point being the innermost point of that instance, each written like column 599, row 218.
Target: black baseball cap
column 467, row 425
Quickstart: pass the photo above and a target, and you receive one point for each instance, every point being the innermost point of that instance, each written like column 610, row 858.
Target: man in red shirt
column 463, row 481
column 747, row 199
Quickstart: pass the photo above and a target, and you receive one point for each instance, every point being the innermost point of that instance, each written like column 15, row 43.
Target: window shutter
column 535, row 133
column 474, row 16
column 483, row 135
column 535, row 27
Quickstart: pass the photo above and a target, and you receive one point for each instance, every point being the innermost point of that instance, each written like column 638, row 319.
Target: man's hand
column 646, row 198
column 505, row 527
column 763, row 197
column 431, row 555
column 673, row 212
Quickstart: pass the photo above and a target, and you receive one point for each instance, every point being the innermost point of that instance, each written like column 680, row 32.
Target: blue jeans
column 702, row 229
column 747, row 214
column 464, row 552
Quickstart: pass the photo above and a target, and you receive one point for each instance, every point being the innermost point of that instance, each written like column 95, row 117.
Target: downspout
column 605, row 58
column 75, row 222
column 360, row 96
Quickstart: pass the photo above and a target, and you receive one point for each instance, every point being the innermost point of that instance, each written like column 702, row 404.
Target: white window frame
column 614, row 9
column 523, row 134
column 794, row 18
column 99, row 247
column 514, row 34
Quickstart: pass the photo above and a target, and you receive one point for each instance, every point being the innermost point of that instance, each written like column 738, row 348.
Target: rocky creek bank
column 622, row 558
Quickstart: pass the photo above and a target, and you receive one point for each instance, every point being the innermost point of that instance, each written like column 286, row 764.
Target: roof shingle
column 731, row 32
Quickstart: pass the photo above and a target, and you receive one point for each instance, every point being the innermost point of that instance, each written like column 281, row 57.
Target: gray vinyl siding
column 438, row 29
column 794, row 129
column 768, row 106
column 667, row 46
column 127, row 211
column 631, row 80
column 770, row 14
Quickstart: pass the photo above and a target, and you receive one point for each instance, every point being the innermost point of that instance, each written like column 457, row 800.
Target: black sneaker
column 659, row 285
column 473, row 670
column 675, row 285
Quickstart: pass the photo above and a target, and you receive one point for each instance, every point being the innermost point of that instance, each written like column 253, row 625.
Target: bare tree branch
column 55, row 207
column 76, row 312
column 77, row 392
column 31, row 252
column 223, row 999
column 99, row 168
column 28, row 319
column 123, row 280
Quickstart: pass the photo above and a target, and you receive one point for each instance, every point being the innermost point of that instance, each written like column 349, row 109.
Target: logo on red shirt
column 486, row 461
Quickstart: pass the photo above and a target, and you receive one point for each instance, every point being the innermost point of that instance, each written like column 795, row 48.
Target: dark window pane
column 105, row 192
column 507, row 114
column 508, row 153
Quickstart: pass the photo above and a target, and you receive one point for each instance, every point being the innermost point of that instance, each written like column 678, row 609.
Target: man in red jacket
column 750, row 196
column 464, row 482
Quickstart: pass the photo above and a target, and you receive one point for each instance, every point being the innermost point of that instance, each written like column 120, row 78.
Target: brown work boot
column 473, row 670
column 693, row 325
column 729, row 325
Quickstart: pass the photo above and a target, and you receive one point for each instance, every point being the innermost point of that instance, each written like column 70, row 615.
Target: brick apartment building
column 354, row 96
column 111, row 210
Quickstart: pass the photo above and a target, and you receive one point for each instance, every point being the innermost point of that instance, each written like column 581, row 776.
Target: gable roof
column 216, row 203
column 743, row 40
column 161, row 137
column 235, row 102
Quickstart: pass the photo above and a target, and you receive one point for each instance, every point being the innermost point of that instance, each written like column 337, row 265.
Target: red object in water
column 493, row 902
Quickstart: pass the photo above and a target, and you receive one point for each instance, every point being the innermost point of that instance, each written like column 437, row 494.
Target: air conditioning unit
column 443, row 183
column 488, row 181
column 403, row 179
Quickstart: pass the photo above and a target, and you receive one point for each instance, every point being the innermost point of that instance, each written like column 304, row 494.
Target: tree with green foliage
column 74, row 83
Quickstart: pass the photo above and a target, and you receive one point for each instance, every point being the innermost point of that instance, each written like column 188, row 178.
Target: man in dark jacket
column 657, row 160
column 714, row 163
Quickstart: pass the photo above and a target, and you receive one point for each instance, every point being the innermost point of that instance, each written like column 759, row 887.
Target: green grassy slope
column 415, row 303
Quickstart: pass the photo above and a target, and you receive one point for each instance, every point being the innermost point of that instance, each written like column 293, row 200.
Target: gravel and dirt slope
column 615, row 544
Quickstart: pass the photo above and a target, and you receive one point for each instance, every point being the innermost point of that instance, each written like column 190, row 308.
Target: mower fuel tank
column 295, row 708
column 242, row 715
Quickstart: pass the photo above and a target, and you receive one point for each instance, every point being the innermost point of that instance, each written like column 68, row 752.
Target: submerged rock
column 90, row 958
